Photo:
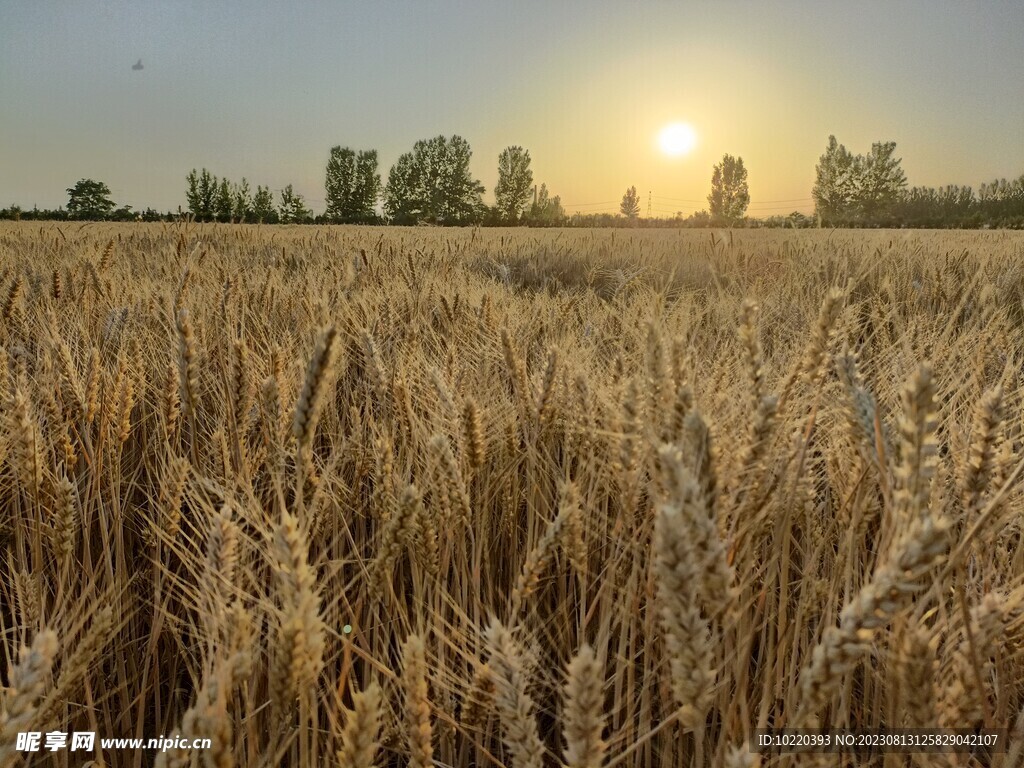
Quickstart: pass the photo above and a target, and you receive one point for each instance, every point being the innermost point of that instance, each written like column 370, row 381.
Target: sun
column 677, row 139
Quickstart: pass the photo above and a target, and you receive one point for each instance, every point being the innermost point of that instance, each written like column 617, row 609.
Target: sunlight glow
column 677, row 139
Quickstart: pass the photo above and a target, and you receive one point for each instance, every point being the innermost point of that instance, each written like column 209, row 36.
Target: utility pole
column 648, row 204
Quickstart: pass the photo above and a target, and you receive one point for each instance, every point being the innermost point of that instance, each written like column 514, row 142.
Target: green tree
column 880, row 183
column 1001, row 202
column 124, row 213
column 545, row 211
column 201, row 194
column 192, row 198
column 352, row 186
column 456, row 195
column 293, row 208
column 223, row 204
column 404, row 195
column 835, row 184
column 433, row 184
column 339, row 184
column 241, row 201
column 515, row 180
column 949, row 206
column 630, row 205
column 367, row 187
column 89, row 199
column 263, row 209
column 729, row 196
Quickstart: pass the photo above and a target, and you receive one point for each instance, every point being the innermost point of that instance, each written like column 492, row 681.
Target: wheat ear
column 359, row 737
column 583, row 713
column 417, row 703
column 28, row 681
column 514, row 704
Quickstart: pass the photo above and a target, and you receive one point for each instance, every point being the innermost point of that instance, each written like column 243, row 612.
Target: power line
column 660, row 205
column 660, row 199
column 774, row 208
column 758, row 202
column 660, row 209
column 678, row 200
column 791, row 200
column 786, row 208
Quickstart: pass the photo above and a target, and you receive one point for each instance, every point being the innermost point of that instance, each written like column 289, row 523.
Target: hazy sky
column 264, row 89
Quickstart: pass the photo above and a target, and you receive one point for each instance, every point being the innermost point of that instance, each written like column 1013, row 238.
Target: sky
column 264, row 90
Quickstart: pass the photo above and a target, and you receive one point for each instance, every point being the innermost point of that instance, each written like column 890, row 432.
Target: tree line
column 432, row 185
column 871, row 190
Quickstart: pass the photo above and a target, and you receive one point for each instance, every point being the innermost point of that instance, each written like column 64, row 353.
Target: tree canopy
column 433, row 184
column 515, row 179
column 835, row 184
column 201, row 194
column 545, row 211
column 630, row 205
column 866, row 189
column 223, row 204
column 352, row 186
column 263, row 209
column 293, row 208
column 880, row 181
column 241, row 201
column 89, row 199
column 729, row 196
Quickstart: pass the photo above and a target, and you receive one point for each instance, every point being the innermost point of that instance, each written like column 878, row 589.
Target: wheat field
column 374, row 497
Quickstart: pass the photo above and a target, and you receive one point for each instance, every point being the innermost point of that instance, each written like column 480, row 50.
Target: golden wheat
column 272, row 486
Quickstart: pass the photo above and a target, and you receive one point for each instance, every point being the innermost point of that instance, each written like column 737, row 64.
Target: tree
column 835, row 184
column 404, row 196
column 263, row 206
column 949, row 206
column 456, row 196
column 514, row 182
column 1001, row 202
column 192, row 198
column 223, row 204
column 241, row 201
column 729, row 196
column 630, row 205
column 867, row 188
column 202, row 190
column 340, row 181
column 433, row 184
column 545, row 211
column 89, row 199
column 880, row 182
column 367, row 188
column 293, row 208
column 124, row 213
column 352, row 186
